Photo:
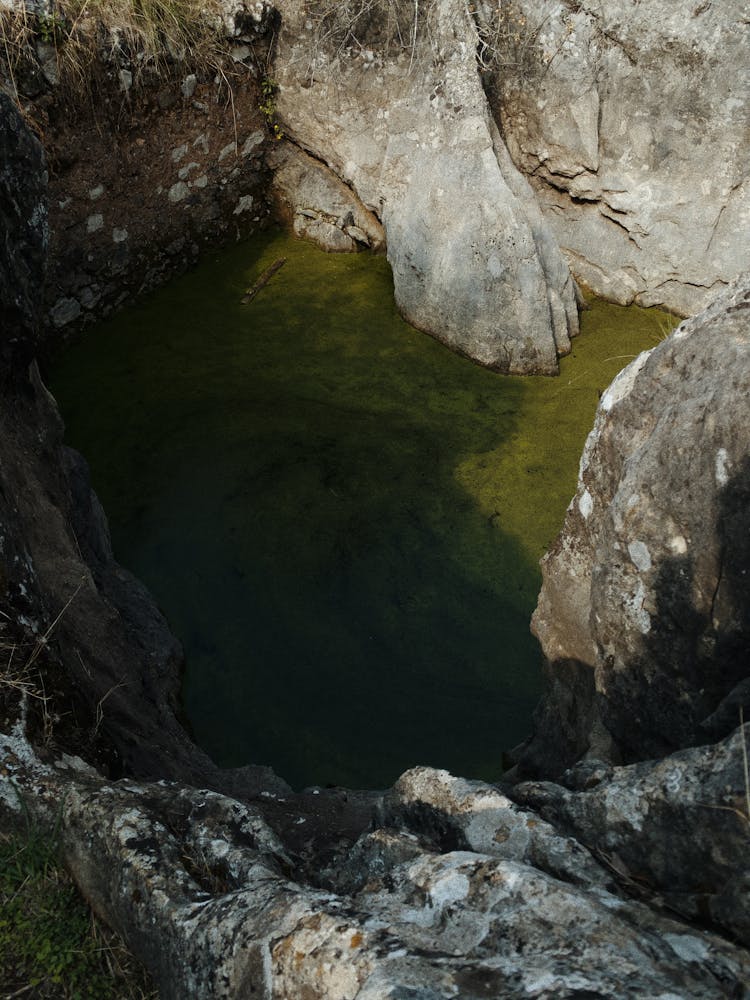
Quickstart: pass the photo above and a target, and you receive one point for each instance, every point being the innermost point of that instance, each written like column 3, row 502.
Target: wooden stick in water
column 262, row 280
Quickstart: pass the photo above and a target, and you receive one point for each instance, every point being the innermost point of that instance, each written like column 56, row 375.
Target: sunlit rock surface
column 631, row 121
column 403, row 119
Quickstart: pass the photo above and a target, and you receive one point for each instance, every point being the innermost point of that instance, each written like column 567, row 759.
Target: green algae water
column 341, row 519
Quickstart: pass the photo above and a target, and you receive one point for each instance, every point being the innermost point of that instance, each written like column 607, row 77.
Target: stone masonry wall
column 142, row 175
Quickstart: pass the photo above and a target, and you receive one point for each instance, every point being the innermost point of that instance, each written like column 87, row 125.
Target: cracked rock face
column 631, row 120
column 407, row 126
column 644, row 614
column 320, row 207
column 205, row 892
column 677, row 828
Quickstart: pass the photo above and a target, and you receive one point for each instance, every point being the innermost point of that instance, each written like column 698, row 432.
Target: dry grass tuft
column 150, row 37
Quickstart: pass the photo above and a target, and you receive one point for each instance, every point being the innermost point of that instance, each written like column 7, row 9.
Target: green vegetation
column 267, row 107
column 51, row 946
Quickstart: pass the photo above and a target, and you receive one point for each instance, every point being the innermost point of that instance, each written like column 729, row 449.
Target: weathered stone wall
column 145, row 171
column 23, row 247
column 630, row 120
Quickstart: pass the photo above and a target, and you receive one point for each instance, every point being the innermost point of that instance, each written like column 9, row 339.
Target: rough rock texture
column 205, row 892
column 23, row 234
column 631, row 121
column 146, row 170
column 677, row 828
column 407, row 126
column 319, row 206
column 644, row 614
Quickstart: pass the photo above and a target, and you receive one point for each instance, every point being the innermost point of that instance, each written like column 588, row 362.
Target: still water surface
column 341, row 519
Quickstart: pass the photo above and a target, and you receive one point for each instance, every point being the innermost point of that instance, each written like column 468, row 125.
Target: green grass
column 51, row 946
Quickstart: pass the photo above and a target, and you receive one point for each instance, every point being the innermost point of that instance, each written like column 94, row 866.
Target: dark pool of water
column 341, row 519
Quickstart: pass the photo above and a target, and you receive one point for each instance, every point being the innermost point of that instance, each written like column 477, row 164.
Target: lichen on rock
column 645, row 597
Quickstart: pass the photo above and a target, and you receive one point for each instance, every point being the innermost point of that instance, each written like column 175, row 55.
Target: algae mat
column 341, row 519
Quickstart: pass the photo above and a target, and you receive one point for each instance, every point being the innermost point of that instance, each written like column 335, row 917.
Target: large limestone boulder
column 390, row 98
column 644, row 614
column 631, row 121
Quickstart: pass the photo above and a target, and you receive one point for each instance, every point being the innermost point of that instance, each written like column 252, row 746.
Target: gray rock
column 453, row 813
column 676, row 829
column 243, row 205
column 644, row 614
column 184, row 172
column 245, row 20
column 408, row 128
column 178, row 192
column 188, row 85
column 631, row 121
column 65, row 311
column 253, row 142
column 320, row 206
column 228, row 150
column 203, row 891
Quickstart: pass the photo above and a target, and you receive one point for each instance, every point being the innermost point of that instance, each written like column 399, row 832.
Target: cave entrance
column 341, row 519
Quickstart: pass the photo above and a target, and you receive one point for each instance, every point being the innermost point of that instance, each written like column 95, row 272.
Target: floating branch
column 262, row 280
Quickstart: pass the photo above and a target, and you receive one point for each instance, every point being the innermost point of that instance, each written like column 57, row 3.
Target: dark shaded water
column 341, row 519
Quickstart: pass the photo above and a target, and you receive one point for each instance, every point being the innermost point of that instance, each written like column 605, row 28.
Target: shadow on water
column 341, row 519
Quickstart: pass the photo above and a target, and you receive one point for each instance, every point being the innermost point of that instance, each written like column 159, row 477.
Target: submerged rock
column 392, row 101
column 631, row 121
column 644, row 614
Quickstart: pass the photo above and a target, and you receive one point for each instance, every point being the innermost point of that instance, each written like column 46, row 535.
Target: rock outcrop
column 674, row 831
column 207, row 894
column 644, row 614
column 390, row 98
column 631, row 122
column 318, row 206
